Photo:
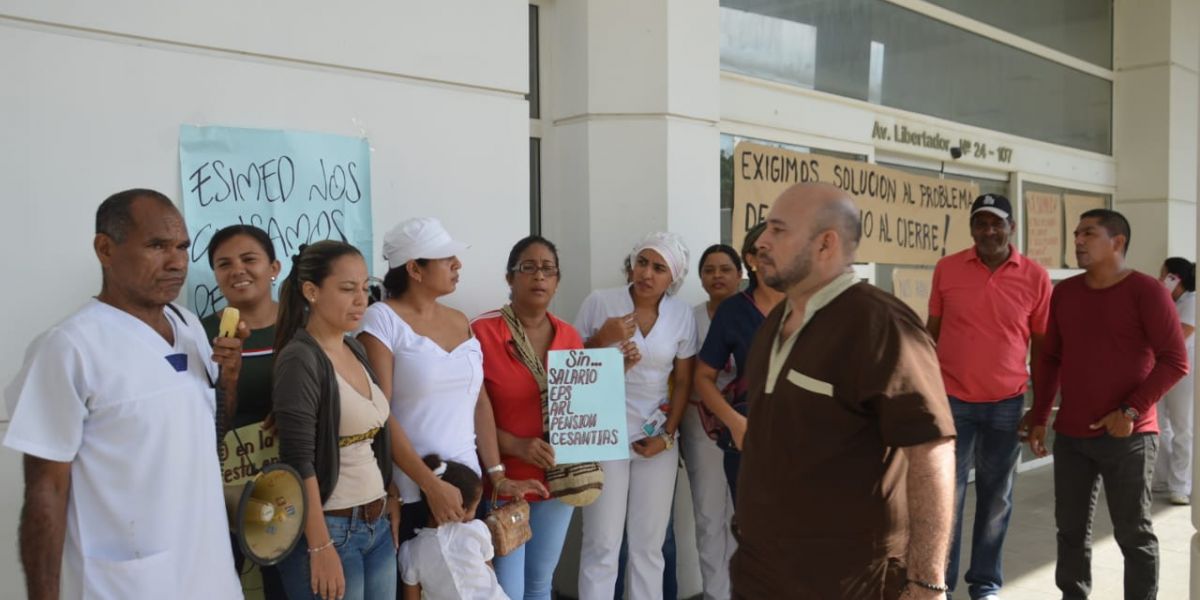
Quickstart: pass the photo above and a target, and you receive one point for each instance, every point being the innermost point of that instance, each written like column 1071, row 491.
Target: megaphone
column 267, row 513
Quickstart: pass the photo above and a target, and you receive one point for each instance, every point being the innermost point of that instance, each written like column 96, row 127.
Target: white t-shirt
column 1186, row 307
column 146, row 515
column 673, row 336
column 449, row 563
column 434, row 392
column 703, row 322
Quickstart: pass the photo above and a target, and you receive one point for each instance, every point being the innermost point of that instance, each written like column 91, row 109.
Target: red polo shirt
column 987, row 319
column 516, row 401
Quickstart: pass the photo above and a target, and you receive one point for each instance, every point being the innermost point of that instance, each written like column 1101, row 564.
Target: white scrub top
column 673, row 336
column 146, row 515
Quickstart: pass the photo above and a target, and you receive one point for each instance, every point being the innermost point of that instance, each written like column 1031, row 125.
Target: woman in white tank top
column 432, row 369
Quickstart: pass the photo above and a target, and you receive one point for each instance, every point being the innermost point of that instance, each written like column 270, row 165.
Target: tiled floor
column 1030, row 548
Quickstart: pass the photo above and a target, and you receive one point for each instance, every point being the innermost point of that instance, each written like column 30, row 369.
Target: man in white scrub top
column 114, row 410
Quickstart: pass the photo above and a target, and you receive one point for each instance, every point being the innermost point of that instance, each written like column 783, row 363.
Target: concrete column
column 1155, row 121
column 630, row 143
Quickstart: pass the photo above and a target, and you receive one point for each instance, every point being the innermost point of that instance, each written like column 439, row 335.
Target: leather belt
column 368, row 512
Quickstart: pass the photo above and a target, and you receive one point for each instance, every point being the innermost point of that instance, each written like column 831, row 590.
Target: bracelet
column 667, row 439
column 496, row 469
column 320, row 548
column 930, row 586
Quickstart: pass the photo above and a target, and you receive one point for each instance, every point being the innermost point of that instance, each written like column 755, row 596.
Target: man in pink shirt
column 987, row 310
column 1115, row 345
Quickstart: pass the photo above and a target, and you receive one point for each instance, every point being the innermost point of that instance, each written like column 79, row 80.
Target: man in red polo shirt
column 1114, row 343
column 987, row 310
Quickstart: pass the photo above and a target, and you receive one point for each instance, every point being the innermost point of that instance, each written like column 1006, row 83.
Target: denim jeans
column 528, row 572
column 368, row 560
column 988, row 441
column 1126, row 467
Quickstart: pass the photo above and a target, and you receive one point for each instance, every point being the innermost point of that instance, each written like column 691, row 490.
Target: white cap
column 422, row 237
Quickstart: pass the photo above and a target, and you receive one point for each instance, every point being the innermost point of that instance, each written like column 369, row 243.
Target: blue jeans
column 988, row 441
column 528, row 572
column 368, row 560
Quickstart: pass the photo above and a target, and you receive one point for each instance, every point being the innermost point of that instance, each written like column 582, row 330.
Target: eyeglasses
column 529, row 268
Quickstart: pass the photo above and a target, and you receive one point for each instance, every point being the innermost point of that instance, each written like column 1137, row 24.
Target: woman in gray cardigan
column 335, row 429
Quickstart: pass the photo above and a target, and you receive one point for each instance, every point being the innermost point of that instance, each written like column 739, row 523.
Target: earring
column 272, row 279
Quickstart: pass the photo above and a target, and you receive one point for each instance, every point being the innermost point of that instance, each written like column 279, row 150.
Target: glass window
column 1081, row 28
column 878, row 52
column 1071, row 204
column 535, row 186
column 534, row 95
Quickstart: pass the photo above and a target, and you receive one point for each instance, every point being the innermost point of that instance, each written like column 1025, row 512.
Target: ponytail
column 456, row 474
column 312, row 263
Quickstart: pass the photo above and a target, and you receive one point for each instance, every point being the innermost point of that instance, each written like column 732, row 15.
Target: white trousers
column 636, row 502
column 711, row 503
column 1174, row 467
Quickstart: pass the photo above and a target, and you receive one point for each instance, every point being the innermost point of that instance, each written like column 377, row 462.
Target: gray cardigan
column 308, row 410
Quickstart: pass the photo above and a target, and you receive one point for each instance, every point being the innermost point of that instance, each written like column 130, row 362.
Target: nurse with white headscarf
column 638, row 491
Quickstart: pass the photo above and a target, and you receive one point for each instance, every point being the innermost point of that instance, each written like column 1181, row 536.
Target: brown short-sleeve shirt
column 822, row 509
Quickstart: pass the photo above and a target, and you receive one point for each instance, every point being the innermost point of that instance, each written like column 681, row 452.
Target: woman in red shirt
column 533, row 277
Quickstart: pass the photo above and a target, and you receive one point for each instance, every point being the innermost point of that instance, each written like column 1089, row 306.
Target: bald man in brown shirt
column 847, row 481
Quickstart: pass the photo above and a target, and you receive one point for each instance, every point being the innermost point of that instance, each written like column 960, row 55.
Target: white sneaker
column 1179, row 500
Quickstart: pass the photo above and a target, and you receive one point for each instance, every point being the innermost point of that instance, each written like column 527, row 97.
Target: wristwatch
column 667, row 439
column 1130, row 412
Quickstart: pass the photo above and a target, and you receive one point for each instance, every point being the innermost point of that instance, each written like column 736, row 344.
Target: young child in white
column 451, row 561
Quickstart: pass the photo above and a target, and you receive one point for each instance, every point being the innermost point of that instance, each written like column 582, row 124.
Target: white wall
column 94, row 94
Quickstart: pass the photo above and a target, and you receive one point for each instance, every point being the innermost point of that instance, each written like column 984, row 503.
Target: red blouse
column 516, row 401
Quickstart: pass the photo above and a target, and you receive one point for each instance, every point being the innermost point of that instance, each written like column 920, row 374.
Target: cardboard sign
column 913, row 287
column 1044, row 228
column 299, row 187
column 245, row 451
column 1075, row 205
column 906, row 219
column 586, row 399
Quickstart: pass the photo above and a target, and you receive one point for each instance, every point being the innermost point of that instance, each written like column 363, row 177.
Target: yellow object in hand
column 229, row 322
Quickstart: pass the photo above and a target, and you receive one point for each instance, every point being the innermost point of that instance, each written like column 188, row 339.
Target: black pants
column 271, row 580
column 413, row 516
column 1126, row 467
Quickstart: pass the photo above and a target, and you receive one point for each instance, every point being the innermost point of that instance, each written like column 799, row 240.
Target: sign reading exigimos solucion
column 906, row 219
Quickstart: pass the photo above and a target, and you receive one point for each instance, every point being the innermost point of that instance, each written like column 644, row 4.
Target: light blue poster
column 586, row 402
column 297, row 186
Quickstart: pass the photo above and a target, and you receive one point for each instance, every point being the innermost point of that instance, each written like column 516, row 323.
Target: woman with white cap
column 638, row 491
column 432, row 369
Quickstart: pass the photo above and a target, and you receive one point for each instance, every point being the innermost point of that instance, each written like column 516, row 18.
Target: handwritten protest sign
column 298, row 187
column 913, row 287
column 245, row 451
column 1044, row 228
column 586, row 397
column 906, row 219
column 1075, row 205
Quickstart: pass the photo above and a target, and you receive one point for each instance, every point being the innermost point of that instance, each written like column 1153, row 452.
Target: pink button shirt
column 987, row 319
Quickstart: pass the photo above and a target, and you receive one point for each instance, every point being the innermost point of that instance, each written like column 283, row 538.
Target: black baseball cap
column 994, row 203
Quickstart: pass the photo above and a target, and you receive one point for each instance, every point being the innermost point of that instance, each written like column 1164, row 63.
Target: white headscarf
column 673, row 250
